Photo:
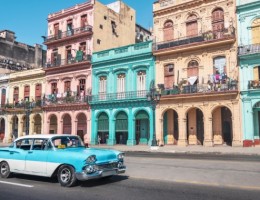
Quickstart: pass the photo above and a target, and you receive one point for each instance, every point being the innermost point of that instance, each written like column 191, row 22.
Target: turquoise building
column 121, row 79
column 248, row 15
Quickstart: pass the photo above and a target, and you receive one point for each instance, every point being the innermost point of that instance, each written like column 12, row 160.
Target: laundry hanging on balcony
column 192, row 79
column 79, row 56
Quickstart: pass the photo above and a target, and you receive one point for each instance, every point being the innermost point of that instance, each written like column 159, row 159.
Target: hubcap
column 4, row 169
column 65, row 175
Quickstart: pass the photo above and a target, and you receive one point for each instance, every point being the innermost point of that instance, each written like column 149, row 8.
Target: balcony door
column 218, row 23
column 168, row 31
column 192, row 26
column 120, row 86
column 141, row 83
column 102, row 87
column 256, row 31
column 3, row 97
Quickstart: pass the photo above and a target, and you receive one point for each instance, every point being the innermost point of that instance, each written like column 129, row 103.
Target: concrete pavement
column 195, row 149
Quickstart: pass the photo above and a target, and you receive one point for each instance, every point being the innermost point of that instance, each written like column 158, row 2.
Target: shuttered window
column 168, row 33
column 193, row 68
column 102, row 87
column 38, row 92
column 256, row 31
column 192, row 26
column 16, row 94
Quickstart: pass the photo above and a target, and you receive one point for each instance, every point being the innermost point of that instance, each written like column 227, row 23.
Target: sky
column 28, row 18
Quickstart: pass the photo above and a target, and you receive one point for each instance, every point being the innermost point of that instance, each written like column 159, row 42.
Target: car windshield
column 63, row 142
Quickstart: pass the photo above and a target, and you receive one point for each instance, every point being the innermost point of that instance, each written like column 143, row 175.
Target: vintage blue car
column 63, row 155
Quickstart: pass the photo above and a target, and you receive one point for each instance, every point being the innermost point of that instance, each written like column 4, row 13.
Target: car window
column 24, row 144
column 39, row 144
column 63, row 142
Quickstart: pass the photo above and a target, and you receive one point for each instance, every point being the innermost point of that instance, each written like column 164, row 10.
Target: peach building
column 196, row 70
column 73, row 35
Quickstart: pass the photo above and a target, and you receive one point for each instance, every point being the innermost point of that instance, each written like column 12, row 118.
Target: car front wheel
column 66, row 176
column 4, row 170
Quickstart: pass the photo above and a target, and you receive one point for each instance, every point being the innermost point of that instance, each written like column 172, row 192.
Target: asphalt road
column 150, row 178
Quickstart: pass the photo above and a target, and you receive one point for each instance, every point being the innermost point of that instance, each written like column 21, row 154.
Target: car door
column 36, row 158
column 18, row 154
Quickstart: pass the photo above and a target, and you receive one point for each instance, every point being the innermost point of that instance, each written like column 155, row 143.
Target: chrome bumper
column 83, row 176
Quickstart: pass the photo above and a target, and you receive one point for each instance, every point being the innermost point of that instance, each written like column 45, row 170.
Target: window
column 54, row 89
column 16, row 95
column 192, row 26
column 105, row 17
column 256, row 71
column 113, row 25
column 67, row 86
column 218, row 23
column 141, row 82
column 84, row 21
column 256, row 31
column 55, row 58
column 98, row 41
column 168, row 76
column 81, row 87
column 24, row 144
column 3, row 96
column 193, row 68
column 102, row 87
column 69, row 27
column 82, row 47
column 38, row 92
column 68, row 54
column 27, row 93
column 168, row 30
column 101, row 26
column 121, row 85
column 219, row 65
column 39, row 144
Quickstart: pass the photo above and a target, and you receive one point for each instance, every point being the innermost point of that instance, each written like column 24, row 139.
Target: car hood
column 102, row 155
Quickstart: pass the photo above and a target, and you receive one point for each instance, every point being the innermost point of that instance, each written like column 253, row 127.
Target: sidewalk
column 188, row 149
column 177, row 149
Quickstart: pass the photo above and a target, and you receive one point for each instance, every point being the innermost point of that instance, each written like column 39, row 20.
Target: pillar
column 111, row 140
column 59, row 124
column 182, row 121
column 208, row 140
column 131, row 137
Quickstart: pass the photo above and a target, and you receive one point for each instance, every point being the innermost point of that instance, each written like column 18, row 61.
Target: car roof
column 42, row 136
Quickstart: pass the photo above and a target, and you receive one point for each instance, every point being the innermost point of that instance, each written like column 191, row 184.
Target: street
column 150, row 177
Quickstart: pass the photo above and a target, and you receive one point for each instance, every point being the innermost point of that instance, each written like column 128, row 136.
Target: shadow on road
column 102, row 181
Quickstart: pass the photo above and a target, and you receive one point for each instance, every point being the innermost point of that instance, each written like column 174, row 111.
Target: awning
column 192, row 79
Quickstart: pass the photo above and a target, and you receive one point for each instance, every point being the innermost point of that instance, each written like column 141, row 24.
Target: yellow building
column 24, row 101
column 196, row 69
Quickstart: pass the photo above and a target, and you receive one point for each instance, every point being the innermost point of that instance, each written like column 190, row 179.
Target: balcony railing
column 249, row 49
column 202, row 37
column 201, row 88
column 60, row 99
column 22, row 105
column 118, row 96
column 254, row 84
column 72, row 60
column 68, row 33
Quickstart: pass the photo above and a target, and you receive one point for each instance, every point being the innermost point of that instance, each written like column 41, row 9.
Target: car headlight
column 91, row 159
column 121, row 156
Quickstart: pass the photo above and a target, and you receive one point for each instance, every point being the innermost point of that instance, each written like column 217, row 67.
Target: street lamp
column 28, row 110
column 154, row 97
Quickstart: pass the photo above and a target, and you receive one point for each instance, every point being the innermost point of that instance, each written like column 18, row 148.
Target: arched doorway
column 2, row 129
column 121, row 128
column 142, row 127
column 195, row 126
column 66, row 124
column 81, row 125
column 15, row 127
column 170, row 127
column 37, row 124
column 222, row 126
column 256, row 121
column 53, row 125
column 103, row 128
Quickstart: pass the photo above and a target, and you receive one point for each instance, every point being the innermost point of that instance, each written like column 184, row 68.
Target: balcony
column 22, row 106
column 205, row 89
column 61, row 99
column 196, row 42
column 122, row 96
column 71, row 61
column 248, row 49
column 254, row 84
column 71, row 34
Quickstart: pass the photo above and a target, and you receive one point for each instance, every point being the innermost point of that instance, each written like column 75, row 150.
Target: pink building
column 70, row 43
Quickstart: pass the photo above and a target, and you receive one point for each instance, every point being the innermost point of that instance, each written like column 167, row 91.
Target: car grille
column 108, row 166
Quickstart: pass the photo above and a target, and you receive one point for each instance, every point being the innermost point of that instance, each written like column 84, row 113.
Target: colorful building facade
column 196, row 67
column 248, row 12
column 4, row 90
column 121, row 79
column 73, row 35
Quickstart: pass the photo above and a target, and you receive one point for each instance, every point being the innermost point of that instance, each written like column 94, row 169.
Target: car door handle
column 30, row 151
column 11, row 152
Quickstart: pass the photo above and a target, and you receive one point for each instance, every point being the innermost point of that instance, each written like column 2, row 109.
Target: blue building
column 121, row 79
column 248, row 12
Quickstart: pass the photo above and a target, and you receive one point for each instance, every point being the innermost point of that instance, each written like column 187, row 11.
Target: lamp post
column 154, row 97
column 28, row 110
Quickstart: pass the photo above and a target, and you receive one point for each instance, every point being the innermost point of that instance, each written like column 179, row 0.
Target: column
column 152, row 111
column 88, row 135
column 73, row 123
column 59, row 124
column 44, row 126
column 182, row 121
column 208, row 140
column 236, row 125
column 131, row 137
column 111, row 141
column 170, row 127
column 20, row 126
column 31, row 124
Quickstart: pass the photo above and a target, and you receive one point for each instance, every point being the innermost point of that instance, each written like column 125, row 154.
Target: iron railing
column 201, row 37
column 68, row 33
column 72, row 60
column 118, row 96
column 22, row 105
column 64, row 99
column 254, row 84
column 201, row 88
column 249, row 49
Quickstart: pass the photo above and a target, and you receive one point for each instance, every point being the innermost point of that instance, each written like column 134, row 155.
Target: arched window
column 193, row 68
column 218, row 23
column 256, row 31
column 192, row 26
column 168, row 30
column 168, row 75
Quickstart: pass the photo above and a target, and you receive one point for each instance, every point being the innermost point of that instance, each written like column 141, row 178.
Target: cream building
column 196, row 69
column 24, row 100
